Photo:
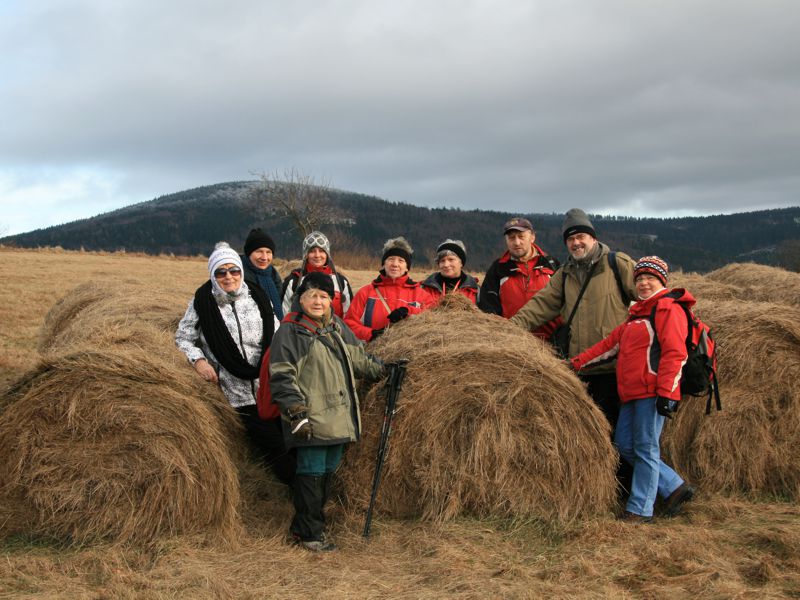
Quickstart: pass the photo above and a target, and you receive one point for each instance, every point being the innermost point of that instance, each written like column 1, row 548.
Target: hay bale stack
column 753, row 446
column 759, row 343
column 119, row 446
column 113, row 436
column 760, row 282
column 287, row 266
column 701, row 286
column 102, row 315
column 491, row 423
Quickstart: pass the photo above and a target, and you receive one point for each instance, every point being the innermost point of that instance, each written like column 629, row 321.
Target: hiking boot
column 323, row 545
column 676, row 499
column 319, row 546
column 629, row 517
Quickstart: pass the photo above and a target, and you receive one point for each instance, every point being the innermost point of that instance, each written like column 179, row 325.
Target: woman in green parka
column 315, row 359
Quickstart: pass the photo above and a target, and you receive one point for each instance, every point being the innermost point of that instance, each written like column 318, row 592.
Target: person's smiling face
column 647, row 285
column 317, row 257
column 580, row 245
column 261, row 257
column 229, row 277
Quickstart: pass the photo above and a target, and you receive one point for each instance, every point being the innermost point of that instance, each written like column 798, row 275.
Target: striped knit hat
column 652, row 265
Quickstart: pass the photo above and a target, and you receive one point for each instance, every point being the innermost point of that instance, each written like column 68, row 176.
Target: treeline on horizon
column 192, row 221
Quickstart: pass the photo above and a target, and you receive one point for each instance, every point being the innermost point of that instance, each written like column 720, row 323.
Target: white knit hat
column 222, row 254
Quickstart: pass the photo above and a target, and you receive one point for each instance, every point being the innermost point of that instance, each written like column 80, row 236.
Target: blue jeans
column 637, row 439
column 318, row 460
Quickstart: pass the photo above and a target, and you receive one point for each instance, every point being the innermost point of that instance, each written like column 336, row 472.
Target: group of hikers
column 313, row 329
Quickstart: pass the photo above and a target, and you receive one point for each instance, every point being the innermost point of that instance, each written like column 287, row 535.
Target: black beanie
column 316, row 281
column 257, row 239
column 577, row 222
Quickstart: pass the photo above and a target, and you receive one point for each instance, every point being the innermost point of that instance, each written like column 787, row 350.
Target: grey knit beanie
column 576, row 221
column 455, row 247
column 316, row 239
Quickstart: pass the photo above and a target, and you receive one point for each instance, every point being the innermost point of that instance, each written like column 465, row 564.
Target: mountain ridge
column 191, row 221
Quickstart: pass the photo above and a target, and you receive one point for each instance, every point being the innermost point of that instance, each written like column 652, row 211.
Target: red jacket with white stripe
column 648, row 363
column 510, row 283
column 367, row 310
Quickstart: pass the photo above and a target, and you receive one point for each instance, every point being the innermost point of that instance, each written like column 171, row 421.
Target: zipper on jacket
column 241, row 344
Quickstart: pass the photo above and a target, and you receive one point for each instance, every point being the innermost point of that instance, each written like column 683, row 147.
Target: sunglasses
column 234, row 271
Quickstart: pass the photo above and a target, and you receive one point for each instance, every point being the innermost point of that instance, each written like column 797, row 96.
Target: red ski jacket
column 372, row 303
column 342, row 292
column 432, row 290
column 648, row 363
column 509, row 284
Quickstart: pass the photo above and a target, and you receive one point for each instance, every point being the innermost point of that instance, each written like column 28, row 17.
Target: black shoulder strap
column 551, row 262
column 580, row 294
column 612, row 262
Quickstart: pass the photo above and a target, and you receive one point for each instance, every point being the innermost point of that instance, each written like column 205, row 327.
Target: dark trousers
column 312, row 487
column 310, row 493
column 266, row 443
column 603, row 390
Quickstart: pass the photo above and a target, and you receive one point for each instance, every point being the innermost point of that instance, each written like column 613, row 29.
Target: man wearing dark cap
column 515, row 277
column 608, row 277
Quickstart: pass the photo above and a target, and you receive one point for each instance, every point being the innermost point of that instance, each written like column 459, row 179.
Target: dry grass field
column 722, row 547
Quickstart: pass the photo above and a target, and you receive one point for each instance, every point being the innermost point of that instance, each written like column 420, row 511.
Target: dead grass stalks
column 491, row 423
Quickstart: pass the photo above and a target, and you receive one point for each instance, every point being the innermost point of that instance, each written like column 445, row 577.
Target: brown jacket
column 601, row 309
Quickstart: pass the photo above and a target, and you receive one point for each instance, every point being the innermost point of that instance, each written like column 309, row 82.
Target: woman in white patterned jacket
column 227, row 327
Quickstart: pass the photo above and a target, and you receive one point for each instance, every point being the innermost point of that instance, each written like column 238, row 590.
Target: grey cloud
column 619, row 106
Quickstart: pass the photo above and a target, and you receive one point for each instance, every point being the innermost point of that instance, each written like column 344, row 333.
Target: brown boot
column 676, row 499
column 629, row 517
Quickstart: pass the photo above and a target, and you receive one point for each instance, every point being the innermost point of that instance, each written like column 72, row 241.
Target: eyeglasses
column 234, row 271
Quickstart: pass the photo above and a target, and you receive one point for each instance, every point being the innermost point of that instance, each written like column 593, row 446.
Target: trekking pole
column 394, row 381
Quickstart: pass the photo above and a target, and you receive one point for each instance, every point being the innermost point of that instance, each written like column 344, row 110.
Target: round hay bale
column 701, row 287
column 761, row 282
column 745, row 449
column 121, row 446
column 114, row 315
column 759, row 343
column 490, row 423
column 288, row 266
column 753, row 445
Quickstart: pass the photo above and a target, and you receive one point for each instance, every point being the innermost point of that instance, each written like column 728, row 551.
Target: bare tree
column 298, row 197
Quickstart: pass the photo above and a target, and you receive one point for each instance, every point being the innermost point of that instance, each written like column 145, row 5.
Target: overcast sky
column 638, row 107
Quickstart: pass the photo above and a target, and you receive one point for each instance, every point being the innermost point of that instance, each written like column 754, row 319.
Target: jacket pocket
column 334, row 400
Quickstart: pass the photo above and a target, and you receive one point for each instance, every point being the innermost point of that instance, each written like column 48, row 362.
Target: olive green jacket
column 601, row 309
column 318, row 369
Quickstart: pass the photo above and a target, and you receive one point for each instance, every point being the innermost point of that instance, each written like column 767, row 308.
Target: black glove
column 376, row 333
column 299, row 423
column 662, row 407
column 398, row 314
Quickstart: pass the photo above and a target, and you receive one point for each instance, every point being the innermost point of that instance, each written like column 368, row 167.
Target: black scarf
column 220, row 340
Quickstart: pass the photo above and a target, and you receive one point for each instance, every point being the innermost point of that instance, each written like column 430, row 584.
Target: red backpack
column 699, row 374
column 267, row 409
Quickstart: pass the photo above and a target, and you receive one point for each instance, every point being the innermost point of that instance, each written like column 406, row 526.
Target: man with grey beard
column 604, row 305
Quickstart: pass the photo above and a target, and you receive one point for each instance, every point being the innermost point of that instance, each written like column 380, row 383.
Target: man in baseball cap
column 518, row 275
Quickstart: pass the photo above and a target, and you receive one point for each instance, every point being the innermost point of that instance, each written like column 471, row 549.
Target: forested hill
column 190, row 222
